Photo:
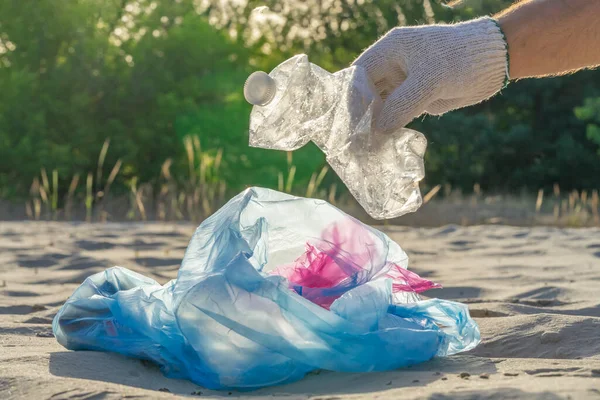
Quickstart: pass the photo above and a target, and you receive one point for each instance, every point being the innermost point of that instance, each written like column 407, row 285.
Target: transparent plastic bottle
column 300, row 102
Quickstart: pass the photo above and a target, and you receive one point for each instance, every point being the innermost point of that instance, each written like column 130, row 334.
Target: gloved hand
column 435, row 69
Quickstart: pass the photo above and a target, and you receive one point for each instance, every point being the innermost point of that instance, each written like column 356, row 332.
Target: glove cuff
column 507, row 77
column 486, row 56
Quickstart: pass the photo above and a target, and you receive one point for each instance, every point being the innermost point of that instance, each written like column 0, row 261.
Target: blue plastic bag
column 271, row 287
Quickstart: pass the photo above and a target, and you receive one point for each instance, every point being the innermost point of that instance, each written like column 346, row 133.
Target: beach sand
column 535, row 294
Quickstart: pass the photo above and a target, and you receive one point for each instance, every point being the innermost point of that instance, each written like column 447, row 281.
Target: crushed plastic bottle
column 300, row 102
column 271, row 287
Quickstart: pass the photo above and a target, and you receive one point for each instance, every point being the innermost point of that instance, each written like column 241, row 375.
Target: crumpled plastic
column 335, row 111
column 270, row 288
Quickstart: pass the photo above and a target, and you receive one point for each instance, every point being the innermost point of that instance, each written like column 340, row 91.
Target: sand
column 534, row 292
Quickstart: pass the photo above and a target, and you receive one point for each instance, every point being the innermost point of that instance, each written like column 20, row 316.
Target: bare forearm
column 551, row 37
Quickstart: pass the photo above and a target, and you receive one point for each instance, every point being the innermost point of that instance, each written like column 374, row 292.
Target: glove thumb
column 407, row 102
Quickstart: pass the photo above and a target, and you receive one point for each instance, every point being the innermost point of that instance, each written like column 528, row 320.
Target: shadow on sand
column 121, row 370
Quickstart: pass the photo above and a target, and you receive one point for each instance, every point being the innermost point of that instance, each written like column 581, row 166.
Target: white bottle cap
column 259, row 89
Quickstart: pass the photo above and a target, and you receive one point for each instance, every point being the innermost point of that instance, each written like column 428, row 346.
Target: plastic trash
column 271, row 287
column 300, row 102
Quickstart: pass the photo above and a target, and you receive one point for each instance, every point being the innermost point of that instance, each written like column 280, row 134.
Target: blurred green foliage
column 590, row 112
column 147, row 73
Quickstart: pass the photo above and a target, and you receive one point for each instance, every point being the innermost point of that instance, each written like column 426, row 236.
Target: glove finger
column 374, row 61
column 441, row 106
column 407, row 102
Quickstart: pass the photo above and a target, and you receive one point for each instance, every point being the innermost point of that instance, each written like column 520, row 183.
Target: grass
column 202, row 190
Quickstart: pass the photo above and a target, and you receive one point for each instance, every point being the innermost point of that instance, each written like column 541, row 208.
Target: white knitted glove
column 435, row 69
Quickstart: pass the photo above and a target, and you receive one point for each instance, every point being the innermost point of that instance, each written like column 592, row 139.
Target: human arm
column 438, row 68
column 551, row 37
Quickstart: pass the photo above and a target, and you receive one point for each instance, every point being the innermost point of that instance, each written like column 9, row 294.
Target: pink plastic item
column 346, row 255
